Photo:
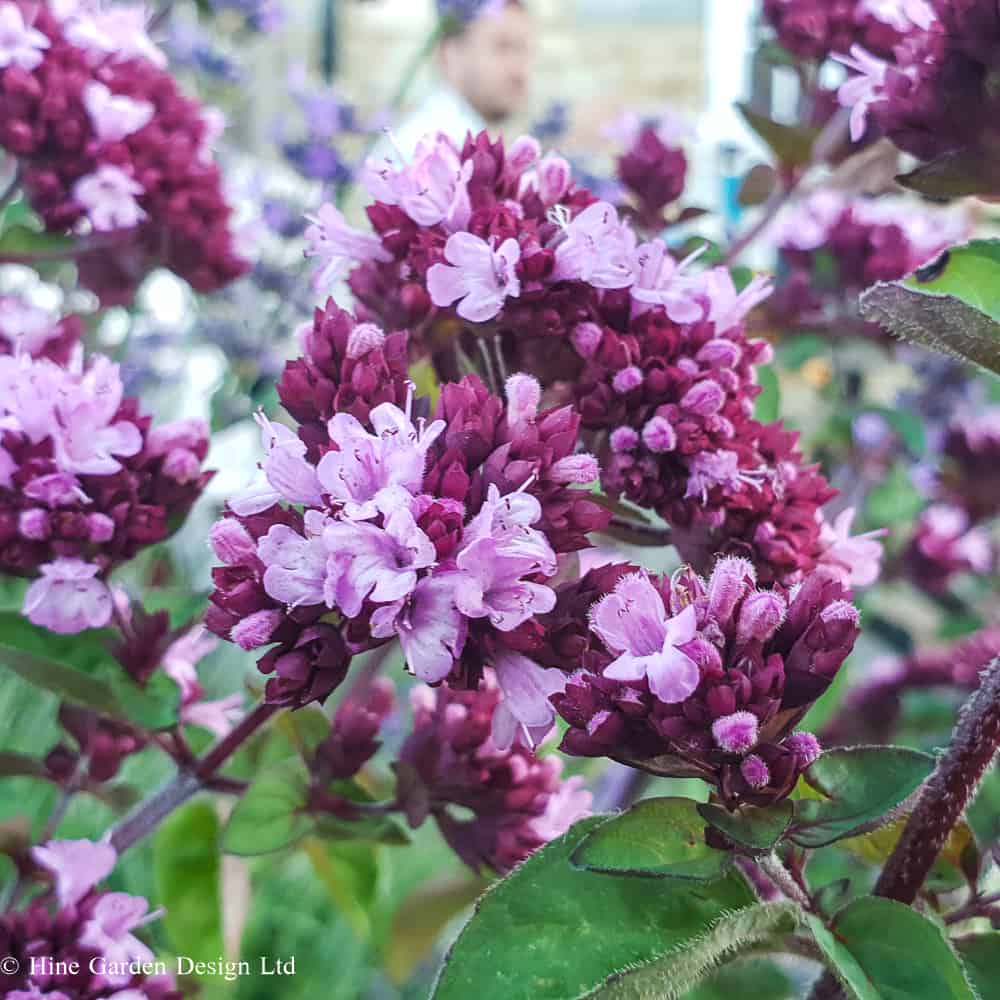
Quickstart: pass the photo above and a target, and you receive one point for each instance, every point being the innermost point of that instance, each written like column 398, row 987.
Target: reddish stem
column 946, row 793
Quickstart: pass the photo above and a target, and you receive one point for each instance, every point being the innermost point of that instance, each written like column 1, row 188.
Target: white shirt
column 442, row 110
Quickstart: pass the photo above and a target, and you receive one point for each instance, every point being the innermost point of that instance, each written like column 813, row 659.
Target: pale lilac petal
column 672, row 675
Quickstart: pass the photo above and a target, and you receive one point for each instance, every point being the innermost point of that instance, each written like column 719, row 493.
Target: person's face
column 489, row 63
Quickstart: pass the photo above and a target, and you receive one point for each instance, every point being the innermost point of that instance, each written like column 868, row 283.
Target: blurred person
column 483, row 62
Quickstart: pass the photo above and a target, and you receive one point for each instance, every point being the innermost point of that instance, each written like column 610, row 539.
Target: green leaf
column 80, row 669
column 670, row 977
column 791, row 144
column 981, row 955
column 883, row 950
column 954, row 175
column 657, row 838
column 767, row 408
column 272, row 814
column 374, row 829
column 861, row 788
column 186, row 867
column 756, row 828
column 756, row 978
column 18, row 240
column 952, row 305
column 550, row 932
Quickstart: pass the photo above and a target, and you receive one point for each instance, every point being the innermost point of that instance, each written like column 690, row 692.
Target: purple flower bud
column 720, row 353
column 806, row 748
column 256, row 629
column 729, row 582
column 554, row 174
column 580, row 469
column 102, row 528
column 736, row 733
column 760, row 616
column 626, row 380
column 659, row 435
column 586, row 339
column 231, row 542
column 624, row 439
column 524, row 394
column 704, row 398
column 523, row 153
column 181, row 465
column 755, row 772
column 363, row 338
column 34, row 524
column 190, row 434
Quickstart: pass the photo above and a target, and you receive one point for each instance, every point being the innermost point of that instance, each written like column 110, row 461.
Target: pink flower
column 218, row 717
column 490, row 583
column 339, row 246
column 67, row 598
column 78, row 865
column 108, row 932
column 296, row 566
column 20, row 44
column 710, row 469
column 728, row 308
column 859, row 93
column 525, row 708
column 430, row 628
column 285, row 473
column 114, row 116
column 857, row 560
column 480, row 277
column 660, row 280
column 371, row 469
column 569, row 803
column 433, row 189
column 377, row 564
column 108, row 196
column 634, row 622
column 86, row 442
column 903, row 15
column 117, row 32
column 595, row 247
column 182, row 656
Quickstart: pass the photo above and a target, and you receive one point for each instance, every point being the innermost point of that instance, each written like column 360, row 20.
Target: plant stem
column 148, row 815
column 947, row 792
column 977, row 907
column 85, row 244
column 941, row 805
column 774, row 869
column 638, row 534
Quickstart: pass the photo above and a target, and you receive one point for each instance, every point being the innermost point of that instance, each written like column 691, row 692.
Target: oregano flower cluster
column 110, row 148
column 86, row 482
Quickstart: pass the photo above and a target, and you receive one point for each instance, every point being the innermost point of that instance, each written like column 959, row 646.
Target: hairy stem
column 774, row 869
column 635, row 533
column 947, row 792
column 941, row 805
column 148, row 814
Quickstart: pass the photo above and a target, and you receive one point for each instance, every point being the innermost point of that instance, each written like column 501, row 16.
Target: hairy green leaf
column 756, row 828
column 980, row 954
column 883, row 950
column 669, row 978
column 861, row 787
column 952, row 305
column 551, row 932
column 659, row 838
